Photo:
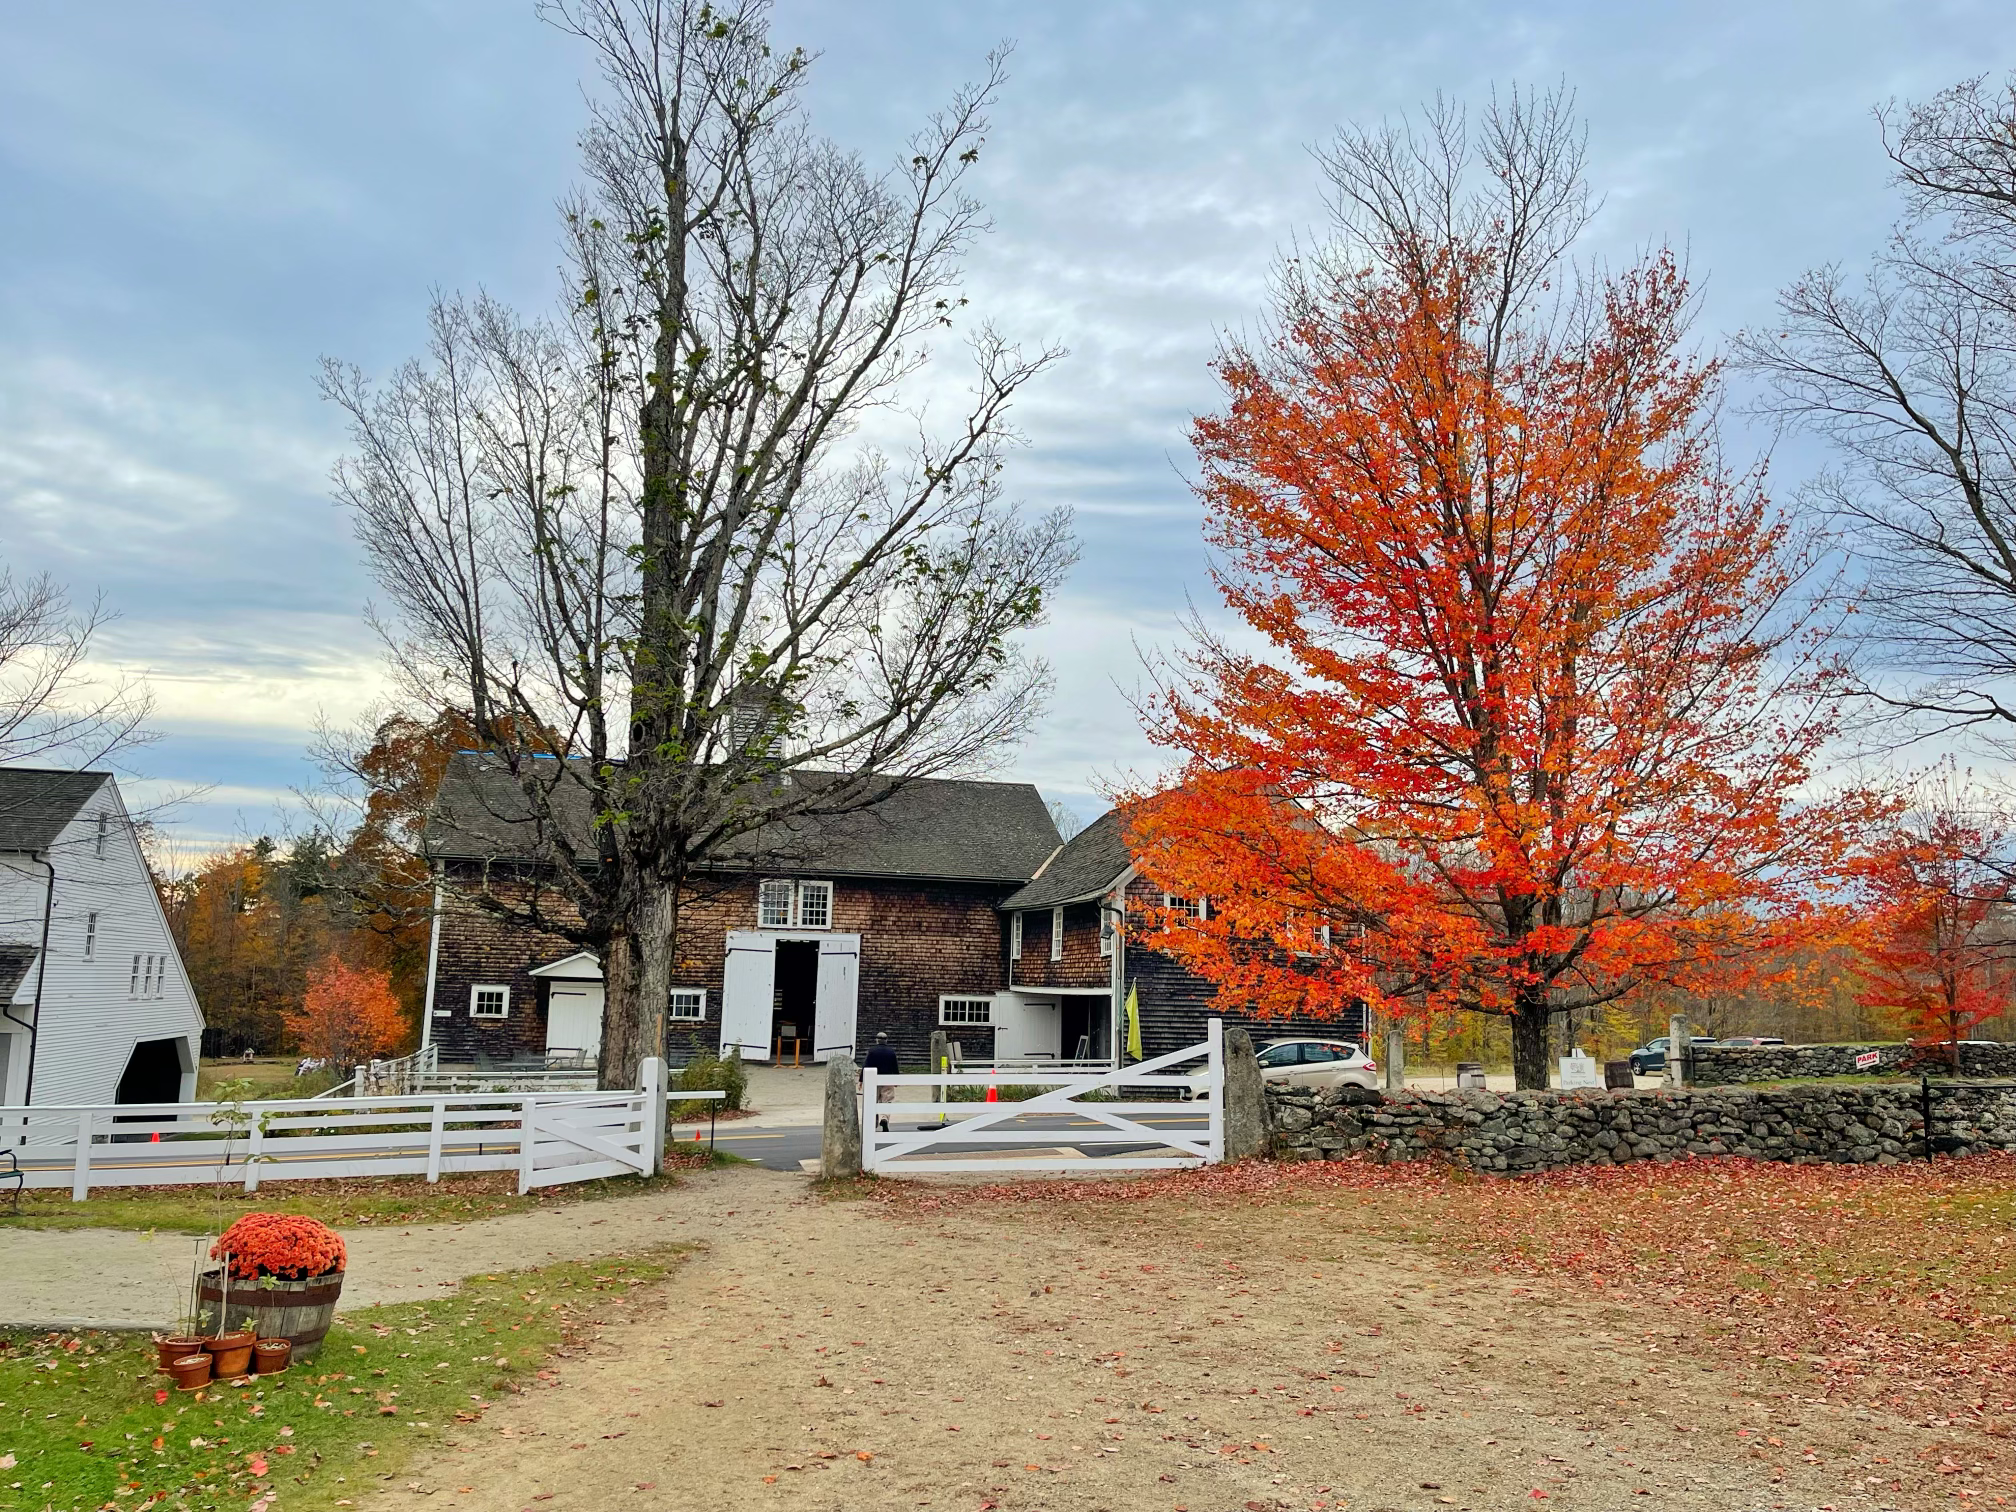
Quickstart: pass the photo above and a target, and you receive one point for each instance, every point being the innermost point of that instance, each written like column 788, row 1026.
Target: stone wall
column 1530, row 1131
column 1729, row 1065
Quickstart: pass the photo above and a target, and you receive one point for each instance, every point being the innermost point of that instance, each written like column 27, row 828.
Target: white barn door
column 574, row 1018
column 748, row 993
column 839, row 989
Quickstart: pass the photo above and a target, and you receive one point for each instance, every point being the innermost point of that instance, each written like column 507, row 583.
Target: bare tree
column 51, row 708
column 1910, row 370
column 655, row 534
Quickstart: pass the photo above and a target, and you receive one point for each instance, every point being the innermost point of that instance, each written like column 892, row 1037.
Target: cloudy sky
column 199, row 201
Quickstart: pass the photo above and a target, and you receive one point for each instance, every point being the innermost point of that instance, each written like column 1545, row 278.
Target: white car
column 1313, row 1063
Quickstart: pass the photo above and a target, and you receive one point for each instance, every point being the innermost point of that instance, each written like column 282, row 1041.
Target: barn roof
column 1089, row 865
column 35, row 804
column 924, row 828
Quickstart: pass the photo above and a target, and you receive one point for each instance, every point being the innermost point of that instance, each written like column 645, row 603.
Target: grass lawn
column 355, row 1203
column 87, row 1422
column 260, row 1080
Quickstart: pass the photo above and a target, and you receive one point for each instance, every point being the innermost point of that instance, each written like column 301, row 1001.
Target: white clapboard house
column 94, row 1004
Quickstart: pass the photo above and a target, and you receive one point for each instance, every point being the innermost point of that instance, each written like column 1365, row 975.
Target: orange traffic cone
column 157, row 1137
column 993, row 1092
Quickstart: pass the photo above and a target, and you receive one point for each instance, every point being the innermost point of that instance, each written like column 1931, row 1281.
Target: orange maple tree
column 1936, row 947
column 1535, row 700
column 348, row 1014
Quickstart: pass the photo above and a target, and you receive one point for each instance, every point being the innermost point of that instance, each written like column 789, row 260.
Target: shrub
column 712, row 1073
column 281, row 1245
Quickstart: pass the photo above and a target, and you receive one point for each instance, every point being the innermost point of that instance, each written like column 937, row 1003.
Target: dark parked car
column 1651, row 1056
column 1751, row 1040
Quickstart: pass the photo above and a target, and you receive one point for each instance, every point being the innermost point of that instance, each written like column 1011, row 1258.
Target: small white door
column 574, row 1018
column 748, row 991
column 839, row 987
column 1025, row 1028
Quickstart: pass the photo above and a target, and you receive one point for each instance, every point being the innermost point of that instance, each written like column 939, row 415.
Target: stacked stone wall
column 1531, row 1131
column 1730, row 1065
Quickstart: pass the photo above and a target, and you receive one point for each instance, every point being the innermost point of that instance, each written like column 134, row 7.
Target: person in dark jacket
column 883, row 1059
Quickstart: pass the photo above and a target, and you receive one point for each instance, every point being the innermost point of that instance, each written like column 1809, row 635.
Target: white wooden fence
column 546, row 1137
column 983, row 1129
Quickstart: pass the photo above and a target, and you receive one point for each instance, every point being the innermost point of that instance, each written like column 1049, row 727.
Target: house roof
column 35, row 804
column 1089, row 865
column 14, row 963
column 926, row 828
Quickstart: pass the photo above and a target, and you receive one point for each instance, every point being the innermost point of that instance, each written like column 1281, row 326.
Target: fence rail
column 547, row 1137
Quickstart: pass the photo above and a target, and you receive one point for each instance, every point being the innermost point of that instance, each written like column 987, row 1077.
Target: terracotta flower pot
column 191, row 1371
column 231, row 1354
column 270, row 1355
column 168, row 1351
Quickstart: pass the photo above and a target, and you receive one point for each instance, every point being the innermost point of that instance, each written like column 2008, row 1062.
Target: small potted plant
column 176, row 1346
column 191, row 1372
column 231, row 1352
column 270, row 1356
column 281, row 1275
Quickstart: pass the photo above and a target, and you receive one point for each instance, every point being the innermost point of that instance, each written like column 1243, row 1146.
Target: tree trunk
column 637, row 985
column 1529, row 1043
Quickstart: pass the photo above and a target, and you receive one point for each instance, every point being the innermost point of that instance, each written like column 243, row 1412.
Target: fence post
column 840, row 1141
column 1214, row 1037
column 255, row 1141
column 80, row 1178
column 360, row 1078
column 1679, row 1046
column 1396, row 1059
column 525, row 1142
column 1245, row 1096
column 656, row 1084
column 434, row 1140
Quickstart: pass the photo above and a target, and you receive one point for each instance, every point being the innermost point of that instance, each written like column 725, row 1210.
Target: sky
column 198, row 202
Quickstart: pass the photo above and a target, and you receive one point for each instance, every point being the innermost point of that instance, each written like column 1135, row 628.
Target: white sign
column 1578, row 1070
column 1867, row 1059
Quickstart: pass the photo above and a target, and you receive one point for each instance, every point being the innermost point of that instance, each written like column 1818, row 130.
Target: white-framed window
column 157, row 968
column 104, row 829
column 133, row 983
column 794, row 905
column 1109, row 926
column 490, row 1000
column 773, row 905
column 965, row 1010
column 1015, row 936
column 1057, row 934
column 689, row 1003
column 1170, row 900
column 1199, row 906
column 91, row 937
column 815, row 905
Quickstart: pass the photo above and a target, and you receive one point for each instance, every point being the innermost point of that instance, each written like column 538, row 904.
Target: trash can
column 1469, row 1076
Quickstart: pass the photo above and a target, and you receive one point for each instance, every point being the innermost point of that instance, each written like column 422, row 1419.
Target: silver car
column 1314, row 1063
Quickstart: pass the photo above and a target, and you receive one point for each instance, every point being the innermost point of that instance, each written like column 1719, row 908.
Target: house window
column 489, row 1000
column 689, row 1003
column 815, row 905
column 133, row 984
column 965, row 1010
column 104, row 828
column 1109, row 926
column 91, row 937
column 1056, row 934
column 773, row 905
column 794, row 905
column 1015, row 936
column 153, row 980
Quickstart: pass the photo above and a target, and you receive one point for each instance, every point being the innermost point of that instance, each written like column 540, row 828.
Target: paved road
column 782, row 1149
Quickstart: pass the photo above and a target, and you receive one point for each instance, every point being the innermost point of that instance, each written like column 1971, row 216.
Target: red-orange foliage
column 347, row 1016
column 284, row 1245
column 1537, row 704
column 1936, row 948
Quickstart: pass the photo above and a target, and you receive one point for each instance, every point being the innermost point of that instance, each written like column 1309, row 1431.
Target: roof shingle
column 1092, row 862
column 35, row 804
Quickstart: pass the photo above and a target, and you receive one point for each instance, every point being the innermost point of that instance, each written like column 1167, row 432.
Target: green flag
column 1133, row 1023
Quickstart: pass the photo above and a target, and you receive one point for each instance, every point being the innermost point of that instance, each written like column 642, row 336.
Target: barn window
column 689, row 1003
column 815, row 905
column 489, row 1000
column 104, row 828
column 91, row 937
column 965, row 1010
column 133, row 983
column 1056, row 934
column 1015, row 936
column 1109, row 927
column 773, row 905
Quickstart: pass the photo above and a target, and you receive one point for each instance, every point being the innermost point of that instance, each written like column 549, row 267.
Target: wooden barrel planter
column 297, row 1311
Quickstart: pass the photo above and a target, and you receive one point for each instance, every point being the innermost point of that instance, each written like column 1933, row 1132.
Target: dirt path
column 827, row 1356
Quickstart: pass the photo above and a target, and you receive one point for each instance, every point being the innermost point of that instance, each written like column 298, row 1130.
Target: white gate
column 1188, row 1133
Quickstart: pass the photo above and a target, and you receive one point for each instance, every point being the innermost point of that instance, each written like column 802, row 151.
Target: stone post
column 1245, row 1099
column 1396, row 1059
column 1679, row 1042
column 840, row 1144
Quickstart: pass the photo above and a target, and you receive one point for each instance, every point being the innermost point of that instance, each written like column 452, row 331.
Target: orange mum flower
column 281, row 1245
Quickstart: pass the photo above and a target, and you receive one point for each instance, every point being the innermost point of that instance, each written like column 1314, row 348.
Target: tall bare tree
column 52, row 709
column 1910, row 370
column 684, row 532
